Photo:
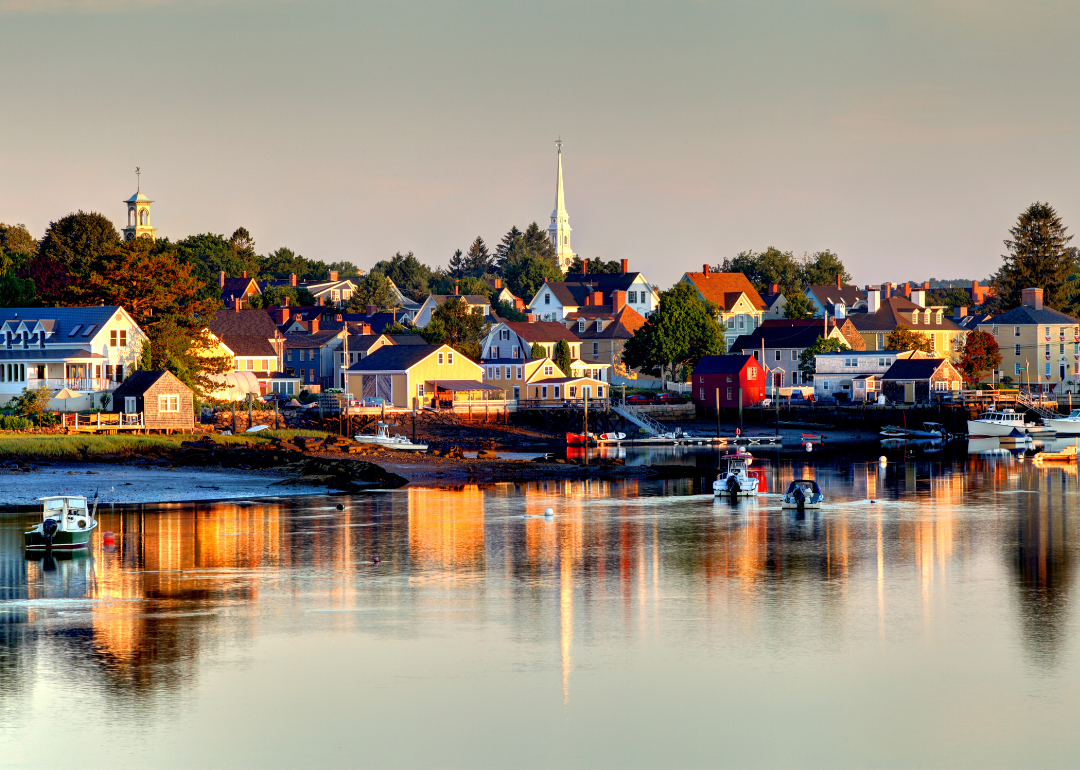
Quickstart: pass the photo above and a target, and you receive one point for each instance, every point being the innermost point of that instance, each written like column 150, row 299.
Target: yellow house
column 884, row 314
column 1039, row 346
column 541, row 379
column 410, row 376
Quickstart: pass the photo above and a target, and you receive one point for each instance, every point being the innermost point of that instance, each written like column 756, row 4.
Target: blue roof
column 66, row 318
column 727, row 364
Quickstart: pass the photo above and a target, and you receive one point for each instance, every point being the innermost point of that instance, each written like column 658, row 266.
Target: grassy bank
column 77, row 446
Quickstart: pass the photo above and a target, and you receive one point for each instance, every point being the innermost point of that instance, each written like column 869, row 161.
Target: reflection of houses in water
column 446, row 528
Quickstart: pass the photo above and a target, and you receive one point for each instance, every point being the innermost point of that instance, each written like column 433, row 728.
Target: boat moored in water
column 383, row 438
column 738, row 480
column 1067, row 425
column 803, row 493
column 66, row 524
column 999, row 422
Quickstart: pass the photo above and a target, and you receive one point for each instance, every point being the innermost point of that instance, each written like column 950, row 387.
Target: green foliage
column 146, row 359
column 508, row 312
column 768, row 267
column 798, row 305
column 16, row 290
column 561, row 356
column 681, row 331
column 78, row 240
column 1039, row 255
column 34, row 403
column 104, row 400
column 16, row 239
column 807, row 360
column 538, row 351
column 903, row 338
column 373, row 289
column 525, row 276
column 950, row 298
column 980, row 356
column 596, row 266
column 408, row 274
column 517, row 247
column 455, row 324
column 822, row 268
column 476, row 263
column 397, row 328
column 275, row 295
column 11, row 422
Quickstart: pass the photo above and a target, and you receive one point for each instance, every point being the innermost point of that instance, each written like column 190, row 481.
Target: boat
column 66, row 524
column 1066, row 455
column 580, row 439
column 1067, row 425
column 603, row 437
column 1000, row 422
column 803, row 493
column 383, row 438
column 738, row 480
column 929, row 430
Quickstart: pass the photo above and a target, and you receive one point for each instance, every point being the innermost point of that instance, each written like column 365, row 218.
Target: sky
column 904, row 136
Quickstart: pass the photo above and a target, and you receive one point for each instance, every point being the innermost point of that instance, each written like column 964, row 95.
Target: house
column 163, row 400
column 85, row 349
column 514, row 339
column 885, row 312
column 775, row 302
column 311, row 358
column 1039, row 346
column 604, row 330
column 410, row 376
column 720, row 380
column 835, row 299
column 252, row 341
column 478, row 303
column 914, row 380
column 780, row 345
column 233, row 289
column 541, row 379
column 741, row 308
column 556, row 299
column 407, row 304
column 835, row 373
column 359, row 347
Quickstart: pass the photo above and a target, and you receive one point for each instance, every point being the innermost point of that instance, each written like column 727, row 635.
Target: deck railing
column 73, row 383
column 75, row 421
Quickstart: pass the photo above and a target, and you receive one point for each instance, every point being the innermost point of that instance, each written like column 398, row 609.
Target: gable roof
column 237, row 287
column 622, row 325
column 306, row 340
column 406, row 339
column 363, row 342
column 567, row 292
column 472, row 299
column 802, row 336
column 726, row 364
column 829, row 295
column 62, row 320
column 890, row 315
column 245, row 333
column 141, row 381
column 395, row 358
column 1025, row 314
column 913, row 368
column 724, row 289
column 606, row 282
column 541, row 331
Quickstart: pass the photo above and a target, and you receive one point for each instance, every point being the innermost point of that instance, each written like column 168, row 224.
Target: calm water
column 644, row 625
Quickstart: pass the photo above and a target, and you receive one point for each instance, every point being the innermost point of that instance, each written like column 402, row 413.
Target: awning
column 456, row 385
column 234, row 386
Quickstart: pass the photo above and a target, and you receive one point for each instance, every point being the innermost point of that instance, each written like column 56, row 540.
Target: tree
column 525, row 276
column 476, row 263
column 455, row 324
column 950, row 298
column 681, row 331
column 561, row 356
column 34, row 403
column 508, row 312
column 766, row 268
column 274, row 296
column 1038, row 256
column 798, row 306
column 903, row 338
column 16, row 290
column 456, row 265
column 78, row 240
column 808, row 358
column 596, row 266
column 408, row 274
column 149, row 280
column 537, row 351
column 517, row 247
column 16, row 239
column 980, row 355
column 822, row 268
column 374, row 290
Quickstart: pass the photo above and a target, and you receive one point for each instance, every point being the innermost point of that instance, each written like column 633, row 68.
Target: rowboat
column 66, row 524
column 383, row 438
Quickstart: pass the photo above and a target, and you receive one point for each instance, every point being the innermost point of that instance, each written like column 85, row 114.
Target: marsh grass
column 77, row 446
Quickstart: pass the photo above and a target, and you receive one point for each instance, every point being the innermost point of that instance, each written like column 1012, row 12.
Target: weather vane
column 558, row 143
column 138, row 179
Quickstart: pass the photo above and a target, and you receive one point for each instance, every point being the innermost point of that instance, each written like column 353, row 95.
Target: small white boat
column 1068, row 425
column 66, row 524
column 737, row 480
column 803, row 493
column 611, row 437
column 1001, row 422
column 929, row 430
column 383, row 438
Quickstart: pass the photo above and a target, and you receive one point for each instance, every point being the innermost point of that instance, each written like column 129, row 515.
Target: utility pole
column 718, row 411
column 740, row 407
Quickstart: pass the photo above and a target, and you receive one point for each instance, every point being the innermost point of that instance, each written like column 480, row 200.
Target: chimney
column 774, row 288
column 245, row 273
column 284, row 301
column 313, row 325
column 974, row 287
column 321, row 302
column 292, row 280
column 959, row 312
column 519, row 304
column 598, row 298
column 873, row 300
column 926, row 285
column 624, row 264
column 498, row 284
column 918, row 296
column 236, row 304
column 584, row 267
column 886, row 290
column 838, row 281
column 455, row 290
column 331, row 275
column 1032, row 298
column 839, row 310
column 531, row 318
column 338, row 318
column 705, row 269
column 365, row 328
column 618, row 299
column 283, row 313
column 906, row 289
column 370, row 309
column 221, row 279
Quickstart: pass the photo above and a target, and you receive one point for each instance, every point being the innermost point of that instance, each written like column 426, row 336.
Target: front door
column 1061, row 372
column 517, row 393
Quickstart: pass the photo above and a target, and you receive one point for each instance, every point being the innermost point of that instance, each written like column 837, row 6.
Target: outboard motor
column 48, row 529
column 733, row 486
column 800, row 498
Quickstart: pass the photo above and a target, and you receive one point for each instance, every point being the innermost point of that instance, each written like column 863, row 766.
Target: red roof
column 724, row 289
column 541, row 331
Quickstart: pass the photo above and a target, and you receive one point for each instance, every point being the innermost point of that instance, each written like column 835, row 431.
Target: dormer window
column 599, row 325
column 581, row 325
column 926, row 316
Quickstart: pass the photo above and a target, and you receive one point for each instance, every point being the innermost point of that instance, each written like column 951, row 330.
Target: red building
column 727, row 374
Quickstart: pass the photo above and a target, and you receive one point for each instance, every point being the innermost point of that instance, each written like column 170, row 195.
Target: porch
column 102, row 422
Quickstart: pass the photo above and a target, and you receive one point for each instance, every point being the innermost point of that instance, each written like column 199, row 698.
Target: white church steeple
column 559, row 229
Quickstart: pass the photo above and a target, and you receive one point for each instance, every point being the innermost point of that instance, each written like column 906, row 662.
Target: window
column 449, row 358
column 1047, row 370
column 520, row 370
column 599, row 391
column 731, row 322
column 755, row 355
column 74, row 330
column 118, row 338
column 490, row 373
column 288, row 356
column 1046, row 331
column 517, row 392
column 1061, row 332
column 701, row 393
column 265, row 365
column 742, row 322
column 495, row 352
column 1019, row 369
column 1062, row 348
column 249, row 364
column 881, row 362
column 543, row 392
column 777, row 356
column 631, row 297
column 335, row 295
column 941, row 385
column 130, row 404
column 504, row 334
column 557, row 390
column 729, row 394
column 1047, row 350
column 599, row 325
column 547, row 299
column 729, row 378
column 1016, row 349
column 515, row 352
column 168, row 403
column 751, row 373
column 549, row 371
column 440, row 358
column 507, row 372
column 420, row 389
column 1016, row 331
column 794, row 355
column 581, row 325
column 824, row 384
column 596, row 350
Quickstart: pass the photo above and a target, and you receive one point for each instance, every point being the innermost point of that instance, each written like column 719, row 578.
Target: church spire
column 559, row 229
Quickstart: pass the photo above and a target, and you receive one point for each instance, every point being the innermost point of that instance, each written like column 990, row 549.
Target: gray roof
column 304, row 340
column 139, row 382
column 726, row 364
column 65, row 318
column 407, row 339
column 247, row 333
column 395, row 358
column 48, row 354
column 913, row 369
column 1025, row 314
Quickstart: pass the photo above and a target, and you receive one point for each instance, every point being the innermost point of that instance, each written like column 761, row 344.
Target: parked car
column 281, row 398
column 637, row 399
column 765, row 403
column 667, row 397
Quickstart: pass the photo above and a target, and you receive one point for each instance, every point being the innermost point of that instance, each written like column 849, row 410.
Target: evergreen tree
column 510, row 248
column 478, row 261
column 596, row 265
column 456, row 266
column 374, row 290
column 561, row 356
column 798, row 306
column 1039, row 256
column 407, row 272
column 525, row 277
column 537, row 351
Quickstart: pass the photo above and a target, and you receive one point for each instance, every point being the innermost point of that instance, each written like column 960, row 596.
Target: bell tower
column 138, row 214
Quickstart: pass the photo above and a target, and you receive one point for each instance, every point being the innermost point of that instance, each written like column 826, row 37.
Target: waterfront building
column 835, row 374
column 541, row 379
column 1039, row 346
column 885, row 312
column 604, row 331
column 254, row 345
column 740, row 308
column 514, row 339
column 89, row 350
column 915, row 380
column 164, row 402
column 780, row 345
column 719, row 380
column 310, row 357
column 411, row 376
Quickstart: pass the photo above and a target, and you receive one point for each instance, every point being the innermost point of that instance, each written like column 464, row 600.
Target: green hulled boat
column 66, row 524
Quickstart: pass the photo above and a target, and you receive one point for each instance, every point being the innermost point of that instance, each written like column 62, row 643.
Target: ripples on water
column 644, row 625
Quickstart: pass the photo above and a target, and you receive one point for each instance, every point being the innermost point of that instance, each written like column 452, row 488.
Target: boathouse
column 164, row 402
column 721, row 378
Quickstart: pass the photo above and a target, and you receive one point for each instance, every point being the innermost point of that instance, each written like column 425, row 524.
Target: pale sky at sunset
column 905, row 136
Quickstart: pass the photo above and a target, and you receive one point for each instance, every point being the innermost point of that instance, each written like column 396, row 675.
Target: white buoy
column 549, row 512
column 809, row 447
column 883, row 460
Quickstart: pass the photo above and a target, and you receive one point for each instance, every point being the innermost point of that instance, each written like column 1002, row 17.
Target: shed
column 165, row 402
column 721, row 377
column 912, row 380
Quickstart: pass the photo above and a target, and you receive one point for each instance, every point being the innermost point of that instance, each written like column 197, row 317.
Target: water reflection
column 895, row 551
